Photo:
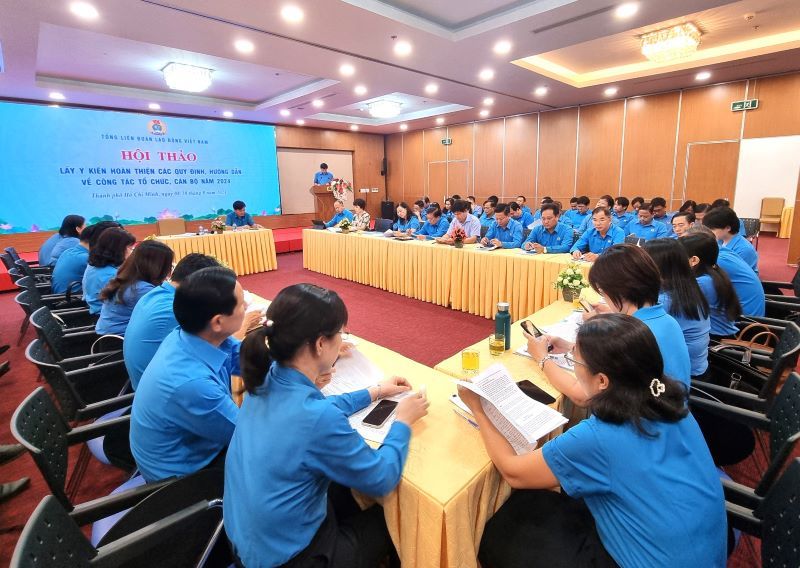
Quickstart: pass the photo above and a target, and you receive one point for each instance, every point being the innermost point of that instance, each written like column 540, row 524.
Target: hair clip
column 657, row 387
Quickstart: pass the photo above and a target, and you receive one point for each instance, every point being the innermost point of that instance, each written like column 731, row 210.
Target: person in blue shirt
column 645, row 227
column 447, row 212
column 419, row 210
column 725, row 224
column 340, row 214
column 621, row 217
column 682, row 221
column 593, row 242
column 504, row 232
column 436, row 225
column 476, row 209
column 71, row 265
column 682, row 298
column 747, row 285
column 239, row 217
column 522, row 202
column 723, row 203
column 537, row 215
column 406, row 222
column 147, row 267
column 702, row 251
column 660, row 213
column 521, row 216
column 605, row 201
column 70, row 232
column 574, row 218
column 551, row 237
column 323, row 176
column 183, row 414
column 639, row 486
column 487, row 217
column 293, row 448
column 71, row 226
column 106, row 255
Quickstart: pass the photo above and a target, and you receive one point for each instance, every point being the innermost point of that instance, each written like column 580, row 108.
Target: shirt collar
column 289, row 378
column 650, row 312
column 213, row 357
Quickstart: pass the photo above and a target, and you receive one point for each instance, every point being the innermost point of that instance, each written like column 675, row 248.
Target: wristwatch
column 544, row 360
column 544, row 250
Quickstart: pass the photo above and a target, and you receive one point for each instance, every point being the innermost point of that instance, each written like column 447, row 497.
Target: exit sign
column 749, row 104
column 447, row 141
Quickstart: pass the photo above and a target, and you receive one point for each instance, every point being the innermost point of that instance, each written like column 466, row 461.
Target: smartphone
column 380, row 414
column 534, row 392
column 528, row 326
column 587, row 307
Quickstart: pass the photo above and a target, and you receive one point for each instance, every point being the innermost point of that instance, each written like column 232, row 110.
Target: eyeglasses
column 573, row 361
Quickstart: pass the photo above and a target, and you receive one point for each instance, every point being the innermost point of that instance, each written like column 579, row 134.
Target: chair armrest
column 730, row 396
column 783, row 298
column 100, row 382
column 741, row 415
column 103, row 507
column 83, row 361
column 743, row 519
column 740, row 494
column 98, row 409
column 81, row 434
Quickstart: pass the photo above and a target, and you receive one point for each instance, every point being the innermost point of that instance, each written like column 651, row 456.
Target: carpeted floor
column 420, row 331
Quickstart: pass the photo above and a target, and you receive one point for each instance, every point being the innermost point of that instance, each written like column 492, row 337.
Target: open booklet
column 487, row 247
column 520, row 419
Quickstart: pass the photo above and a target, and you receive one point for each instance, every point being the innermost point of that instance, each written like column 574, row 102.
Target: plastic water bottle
column 502, row 322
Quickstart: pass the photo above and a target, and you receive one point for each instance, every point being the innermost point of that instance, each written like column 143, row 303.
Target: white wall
column 768, row 167
column 296, row 169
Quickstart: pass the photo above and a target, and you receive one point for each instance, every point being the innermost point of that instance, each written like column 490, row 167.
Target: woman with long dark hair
column 66, row 237
column 105, row 257
column 639, row 487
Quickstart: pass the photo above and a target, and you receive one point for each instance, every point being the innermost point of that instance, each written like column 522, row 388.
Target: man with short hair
column 573, row 204
column 340, row 214
column 621, row 217
column 239, row 217
column 504, row 232
column 487, row 217
column 725, row 224
column 523, row 217
column 575, row 218
column 435, row 226
column 550, row 237
column 323, row 176
column 660, row 213
column 522, row 202
column 645, row 227
column 596, row 240
column 537, row 215
column 681, row 222
column 464, row 220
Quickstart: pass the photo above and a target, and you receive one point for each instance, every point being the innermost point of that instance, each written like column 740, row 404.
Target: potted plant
column 344, row 225
column 458, row 238
column 571, row 281
column 217, row 226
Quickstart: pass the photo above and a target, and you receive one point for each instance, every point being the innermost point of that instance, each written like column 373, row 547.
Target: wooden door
column 711, row 171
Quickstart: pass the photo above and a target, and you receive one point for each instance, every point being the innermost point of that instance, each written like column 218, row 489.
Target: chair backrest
column 42, row 430
column 13, row 252
column 171, row 226
column 63, row 389
column 484, row 230
column 51, row 539
column 15, row 274
column 772, row 206
column 752, row 227
column 8, row 262
column 780, row 512
column 28, row 302
column 27, row 283
column 784, row 415
column 383, row 225
column 525, row 233
column 25, row 267
column 49, row 330
column 784, row 357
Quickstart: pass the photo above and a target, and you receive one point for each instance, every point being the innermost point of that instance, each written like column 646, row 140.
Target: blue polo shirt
column 406, row 224
column 290, row 443
column 152, row 320
column 647, row 232
column 115, row 313
column 94, row 280
column 339, row 217
column 747, row 285
column 527, row 209
column 322, row 178
column 622, row 221
column 669, row 337
column 656, row 501
column 437, row 230
column 183, row 415
column 69, row 268
column 695, row 333
column 233, row 220
column 720, row 324
column 510, row 236
column 486, row 221
column 575, row 219
column 593, row 241
column 526, row 219
column 559, row 240
column 60, row 246
column 744, row 249
column 46, row 250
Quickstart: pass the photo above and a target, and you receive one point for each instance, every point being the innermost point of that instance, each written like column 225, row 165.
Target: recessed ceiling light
column 610, row 91
column 431, row 88
column 154, row 106
column 402, row 48
column 703, row 76
column 285, row 112
column 488, row 101
column 346, row 69
column 360, row 90
column 502, row 47
column 300, row 122
column 486, row 74
column 84, row 10
column 484, row 112
column 404, row 126
column 56, row 96
column 440, row 120
column 227, row 114
column 354, row 127
column 54, row 106
column 292, row 14
column 540, row 91
column 244, row 46
column 626, row 10
column 318, row 103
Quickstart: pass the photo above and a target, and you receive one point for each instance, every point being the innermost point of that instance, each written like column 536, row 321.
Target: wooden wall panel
column 489, row 157
column 712, row 171
column 649, row 149
column 520, row 155
column 459, row 178
column 394, row 173
column 437, row 182
column 414, row 170
column 557, row 147
column 434, row 152
column 461, row 148
column 778, row 113
column 600, row 149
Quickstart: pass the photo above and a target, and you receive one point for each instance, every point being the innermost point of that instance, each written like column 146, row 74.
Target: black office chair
column 382, row 225
column 8, row 262
column 773, row 288
column 40, row 274
column 71, row 318
column 65, row 343
column 54, row 301
column 484, row 230
column 782, row 307
column 525, row 233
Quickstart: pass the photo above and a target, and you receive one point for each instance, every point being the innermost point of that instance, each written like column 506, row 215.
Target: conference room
column 399, row 283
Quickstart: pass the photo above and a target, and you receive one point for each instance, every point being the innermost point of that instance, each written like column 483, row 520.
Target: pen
column 471, row 422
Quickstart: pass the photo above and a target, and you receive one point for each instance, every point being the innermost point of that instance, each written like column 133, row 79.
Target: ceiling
column 575, row 48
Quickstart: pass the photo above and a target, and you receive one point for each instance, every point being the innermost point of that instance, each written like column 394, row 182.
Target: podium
column 323, row 202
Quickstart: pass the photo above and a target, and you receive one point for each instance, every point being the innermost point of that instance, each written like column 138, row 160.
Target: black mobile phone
column 380, row 414
column 528, row 326
column 587, row 307
column 534, row 392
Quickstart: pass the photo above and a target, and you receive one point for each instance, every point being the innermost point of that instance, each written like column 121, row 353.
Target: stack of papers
column 487, row 247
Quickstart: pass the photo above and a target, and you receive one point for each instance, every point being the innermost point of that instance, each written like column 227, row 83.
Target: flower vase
column 569, row 294
column 458, row 244
column 218, row 231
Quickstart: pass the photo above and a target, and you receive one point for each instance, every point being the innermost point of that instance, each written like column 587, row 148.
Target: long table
column 468, row 279
column 245, row 252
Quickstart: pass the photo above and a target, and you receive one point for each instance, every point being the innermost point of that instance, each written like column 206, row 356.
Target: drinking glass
column 470, row 361
column 497, row 344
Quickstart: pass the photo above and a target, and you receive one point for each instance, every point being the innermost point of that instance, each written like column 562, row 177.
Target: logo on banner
column 157, row 127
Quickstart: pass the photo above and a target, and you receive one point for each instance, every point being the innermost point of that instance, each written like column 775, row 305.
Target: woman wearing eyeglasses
column 293, row 452
column 639, row 487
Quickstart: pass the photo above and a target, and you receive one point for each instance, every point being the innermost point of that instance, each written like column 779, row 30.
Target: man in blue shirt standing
column 435, row 226
column 596, row 240
column 340, row 214
column 323, row 176
column 551, row 236
column 504, row 232
column 239, row 217
column 646, row 227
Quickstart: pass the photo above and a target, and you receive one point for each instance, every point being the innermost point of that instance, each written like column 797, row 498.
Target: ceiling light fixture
column 484, row 112
column 285, row 112
column 318, row 103
column 384, row 108
column 431, row 88
column 502, row 47
column 244, row 46
column 626, row 10
column 404, row 126
column 540, row 91
column 353, row 127
column 84, row 10
column 292, row 14
column 610, row 91
column 672, row 43
column 182, row 77
column 56, row 96
column 486, row 75
column 154, row 106
column 703, row 76
column 300, row 122
column 440, row 120
column 346, row 69
column 402, row 48
column 54, row 106
column 360, row 90
column 488, row 101
column 227, row 114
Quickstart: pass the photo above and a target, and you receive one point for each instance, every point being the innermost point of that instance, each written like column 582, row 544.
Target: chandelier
column 671, row 43
column 182, row 77
column 384, row 109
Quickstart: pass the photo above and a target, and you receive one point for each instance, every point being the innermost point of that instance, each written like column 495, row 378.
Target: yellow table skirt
column 246, row 252
column 787, row 217
column 465, row 279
